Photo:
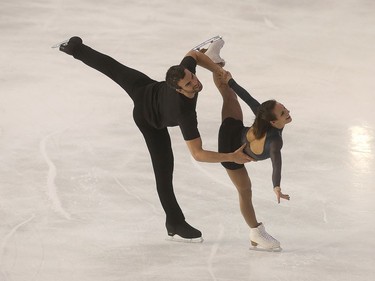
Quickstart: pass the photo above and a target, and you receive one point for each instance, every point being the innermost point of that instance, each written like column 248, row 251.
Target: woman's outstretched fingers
column 279, row 194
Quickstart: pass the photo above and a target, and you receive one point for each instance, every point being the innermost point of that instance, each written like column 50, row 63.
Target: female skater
column 263, row 140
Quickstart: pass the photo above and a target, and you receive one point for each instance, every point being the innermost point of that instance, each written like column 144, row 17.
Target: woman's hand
column 279, row 194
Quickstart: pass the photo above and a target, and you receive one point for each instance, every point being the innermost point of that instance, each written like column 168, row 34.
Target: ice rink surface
column 77, row 193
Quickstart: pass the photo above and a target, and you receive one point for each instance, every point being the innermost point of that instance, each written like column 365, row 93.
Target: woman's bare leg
column 231, row 106
column 241, row 180
column 240, row 177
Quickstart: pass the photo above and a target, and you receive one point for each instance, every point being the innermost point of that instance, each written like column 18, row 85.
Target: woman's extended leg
column 241, row 180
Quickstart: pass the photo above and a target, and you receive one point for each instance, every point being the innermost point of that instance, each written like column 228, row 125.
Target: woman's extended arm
column 275, row 155
column 244, row 95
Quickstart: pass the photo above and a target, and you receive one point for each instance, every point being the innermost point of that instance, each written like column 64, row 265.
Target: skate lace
column 268, row 237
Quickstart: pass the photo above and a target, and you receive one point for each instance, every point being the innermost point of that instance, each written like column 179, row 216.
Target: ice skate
column 206, row 42
column 183, row 232
column 262, row 241
column 213, row 51
column 68, row 46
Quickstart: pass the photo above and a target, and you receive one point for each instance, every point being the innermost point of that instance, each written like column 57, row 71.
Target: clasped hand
column 224, row 76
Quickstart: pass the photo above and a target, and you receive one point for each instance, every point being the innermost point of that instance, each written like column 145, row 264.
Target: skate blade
column 208, row 41
column 59, row 44
column 177, row 238
column 260, row 249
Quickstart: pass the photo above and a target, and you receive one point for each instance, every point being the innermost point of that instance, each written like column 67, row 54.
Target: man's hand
column 279, row 194
column 221, row 77
column 240, row 157
column 220, row 72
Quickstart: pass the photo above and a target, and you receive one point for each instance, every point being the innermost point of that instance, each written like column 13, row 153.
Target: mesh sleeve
column 244, row 95
column 275, row 154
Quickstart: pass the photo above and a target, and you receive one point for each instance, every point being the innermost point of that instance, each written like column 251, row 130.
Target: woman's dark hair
column 174, row 74
column 263, row 117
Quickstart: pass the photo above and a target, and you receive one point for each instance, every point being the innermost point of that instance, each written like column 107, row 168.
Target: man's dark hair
column 174, row 74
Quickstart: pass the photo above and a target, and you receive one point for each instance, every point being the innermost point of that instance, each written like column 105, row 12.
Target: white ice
column 77, row 194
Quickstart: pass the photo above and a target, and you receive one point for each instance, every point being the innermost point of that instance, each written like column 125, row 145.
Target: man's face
column 190, row 84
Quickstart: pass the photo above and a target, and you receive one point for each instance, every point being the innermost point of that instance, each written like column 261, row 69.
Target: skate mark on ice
column 5, row 242
column 209, row 175
column 325, row 215
column 52, row 172
column 215, row 179
column 39, row 269
column 266, row 21
column 269, row 23
column 214, row 249
column 123, row 187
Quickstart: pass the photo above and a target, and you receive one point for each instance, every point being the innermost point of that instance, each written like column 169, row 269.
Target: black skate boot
column 69, row 46
column 183, row 232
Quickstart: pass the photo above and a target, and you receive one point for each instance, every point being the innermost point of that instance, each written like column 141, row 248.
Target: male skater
column 158, row 105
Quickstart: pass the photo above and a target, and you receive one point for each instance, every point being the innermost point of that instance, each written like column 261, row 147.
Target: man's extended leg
column 129, row 79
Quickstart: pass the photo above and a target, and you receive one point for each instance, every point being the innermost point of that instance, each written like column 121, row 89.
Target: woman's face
column 282, row 116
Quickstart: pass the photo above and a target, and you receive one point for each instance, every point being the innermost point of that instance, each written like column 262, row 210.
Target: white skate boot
column 213, row 51
column 261, row 240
